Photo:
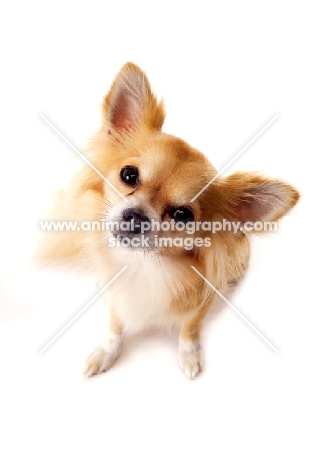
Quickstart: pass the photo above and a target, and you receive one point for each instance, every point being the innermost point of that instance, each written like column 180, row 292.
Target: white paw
column 190, row 358
column 103, row 357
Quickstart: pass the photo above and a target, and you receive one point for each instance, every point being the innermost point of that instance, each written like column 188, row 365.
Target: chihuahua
column 162, row 203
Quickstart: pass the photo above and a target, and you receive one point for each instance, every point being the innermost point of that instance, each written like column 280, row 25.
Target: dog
column 158, row 194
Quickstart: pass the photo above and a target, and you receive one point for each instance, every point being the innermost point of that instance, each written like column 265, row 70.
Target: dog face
column 158, row 185
column 159, row 175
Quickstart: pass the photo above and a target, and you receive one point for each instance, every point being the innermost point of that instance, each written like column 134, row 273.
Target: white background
column 225, row 69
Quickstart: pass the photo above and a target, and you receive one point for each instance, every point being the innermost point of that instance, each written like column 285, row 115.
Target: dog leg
column 103, row 357
column 190, row 356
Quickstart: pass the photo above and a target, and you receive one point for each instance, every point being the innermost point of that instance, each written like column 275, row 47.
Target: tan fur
column 160, row 288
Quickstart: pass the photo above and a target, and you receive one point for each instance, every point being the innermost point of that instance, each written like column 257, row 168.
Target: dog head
column 154, row 177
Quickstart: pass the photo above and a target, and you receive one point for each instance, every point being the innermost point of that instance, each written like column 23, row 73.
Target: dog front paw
column 190, row 358
column 103, row 357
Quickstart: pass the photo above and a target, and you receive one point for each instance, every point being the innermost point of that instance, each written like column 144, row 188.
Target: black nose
column 136, row 218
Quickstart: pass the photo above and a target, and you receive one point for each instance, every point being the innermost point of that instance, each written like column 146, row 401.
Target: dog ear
column 131, row 103
column 251, row 197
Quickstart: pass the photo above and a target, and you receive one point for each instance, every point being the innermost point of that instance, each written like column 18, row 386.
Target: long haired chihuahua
column 161, row 249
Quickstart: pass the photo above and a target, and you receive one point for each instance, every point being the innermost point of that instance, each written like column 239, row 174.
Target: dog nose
column 136, row 217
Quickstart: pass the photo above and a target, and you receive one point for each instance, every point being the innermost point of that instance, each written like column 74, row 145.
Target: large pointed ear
column 130, row 102
column 251, row 197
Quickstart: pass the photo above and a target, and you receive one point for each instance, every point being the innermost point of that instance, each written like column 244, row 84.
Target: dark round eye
column 129, row 175
column 181, row 214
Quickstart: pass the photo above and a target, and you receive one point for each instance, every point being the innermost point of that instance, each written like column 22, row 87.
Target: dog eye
column 181, row 214
column 129, row 175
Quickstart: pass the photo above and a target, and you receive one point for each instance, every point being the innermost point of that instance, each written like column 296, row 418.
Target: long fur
column 159, row 287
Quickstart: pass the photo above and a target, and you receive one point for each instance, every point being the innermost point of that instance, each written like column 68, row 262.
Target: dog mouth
column 133, row 241
column 132, row 231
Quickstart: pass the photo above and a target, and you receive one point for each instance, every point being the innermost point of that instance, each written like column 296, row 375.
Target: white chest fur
column 144, row 296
